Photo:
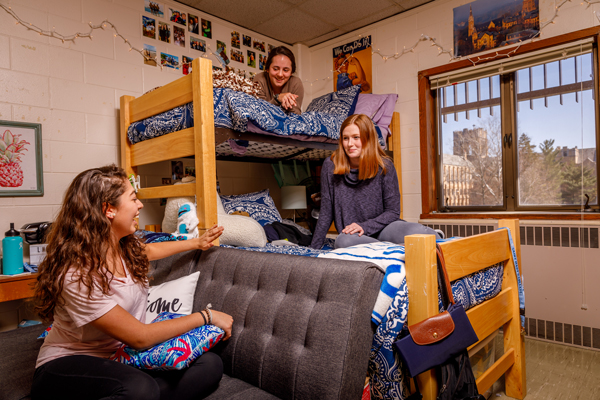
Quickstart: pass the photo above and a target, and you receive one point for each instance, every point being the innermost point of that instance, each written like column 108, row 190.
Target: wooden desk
column 16, row 287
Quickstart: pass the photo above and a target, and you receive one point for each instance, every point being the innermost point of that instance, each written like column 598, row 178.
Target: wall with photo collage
column 177, row 34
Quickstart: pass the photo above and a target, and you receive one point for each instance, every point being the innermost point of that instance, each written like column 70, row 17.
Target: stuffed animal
column 187, row 221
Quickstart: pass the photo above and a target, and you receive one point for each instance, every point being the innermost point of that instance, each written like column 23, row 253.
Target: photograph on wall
column 190, row 171
column 251, row 59
column 168, row 60
column 164, row 32
column 235, row 39
column 352, row 65
column 258, row 45
column 21, row 172
column 237, row 55
column 197, row 44
column 222, row 53
column 247, row 40
column 149, row 55
column 271, row 47
column 206, row 28
column 193, row 25
column 154, row 8
column 149, row 27
column 186, row 64
column 488, row 24
column 176, row 170
column 261, row 62
column 177, row 16
column 179, row 36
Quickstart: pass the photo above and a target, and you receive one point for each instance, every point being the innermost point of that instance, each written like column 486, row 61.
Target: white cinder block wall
column 73, row 90
column 558, row 280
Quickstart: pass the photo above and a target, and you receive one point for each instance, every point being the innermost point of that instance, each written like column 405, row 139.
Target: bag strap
column 443, row 281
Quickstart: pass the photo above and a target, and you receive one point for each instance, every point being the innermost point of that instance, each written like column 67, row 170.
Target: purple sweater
column 373, row 203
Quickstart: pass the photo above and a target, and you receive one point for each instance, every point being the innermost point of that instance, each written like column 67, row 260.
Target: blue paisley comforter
column 234, row 110
column 385, row 370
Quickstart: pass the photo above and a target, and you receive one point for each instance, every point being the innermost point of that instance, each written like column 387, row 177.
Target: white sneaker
column 440, row 233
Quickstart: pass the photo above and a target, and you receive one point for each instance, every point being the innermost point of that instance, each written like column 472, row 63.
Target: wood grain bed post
column 515, row 377
column 397, row 149
column 421, row 280
column 204, row 137
column 125, row 145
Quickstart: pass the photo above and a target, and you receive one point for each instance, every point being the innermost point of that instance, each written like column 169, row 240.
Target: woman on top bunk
column 277, row 84
column 359, row 191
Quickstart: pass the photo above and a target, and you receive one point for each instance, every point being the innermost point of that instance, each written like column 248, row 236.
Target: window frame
column 428, row 127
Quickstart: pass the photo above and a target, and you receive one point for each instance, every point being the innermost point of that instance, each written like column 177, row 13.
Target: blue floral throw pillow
column 259, row 205
column 176, row 353
column 342, row 102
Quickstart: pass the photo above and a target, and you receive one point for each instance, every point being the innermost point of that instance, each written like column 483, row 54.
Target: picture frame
column 21, row 169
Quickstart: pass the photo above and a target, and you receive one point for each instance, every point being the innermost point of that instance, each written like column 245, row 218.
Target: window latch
column 508, row 140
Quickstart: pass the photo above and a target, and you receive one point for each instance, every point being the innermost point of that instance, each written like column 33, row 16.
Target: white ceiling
column 303, row 21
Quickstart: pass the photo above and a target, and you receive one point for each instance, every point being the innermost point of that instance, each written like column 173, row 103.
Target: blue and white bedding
column 391, row 307
column 234, row 110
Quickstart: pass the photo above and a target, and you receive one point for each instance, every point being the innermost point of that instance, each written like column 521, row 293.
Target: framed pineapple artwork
column 21, row 171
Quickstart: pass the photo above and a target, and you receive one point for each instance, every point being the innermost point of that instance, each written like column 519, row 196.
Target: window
column 518, row 135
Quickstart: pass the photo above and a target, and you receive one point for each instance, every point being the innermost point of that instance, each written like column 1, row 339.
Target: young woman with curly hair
column 93, row 286
column 360, row 192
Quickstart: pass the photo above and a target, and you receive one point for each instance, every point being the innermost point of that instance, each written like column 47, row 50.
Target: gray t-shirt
column 372, row 203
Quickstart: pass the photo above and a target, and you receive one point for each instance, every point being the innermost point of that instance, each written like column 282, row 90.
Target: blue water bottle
column 12, row 252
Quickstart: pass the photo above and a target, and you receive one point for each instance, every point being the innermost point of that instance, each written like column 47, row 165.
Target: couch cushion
column 19, row 349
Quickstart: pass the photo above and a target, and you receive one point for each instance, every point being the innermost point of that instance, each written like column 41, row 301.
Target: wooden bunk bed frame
column 199, row 141
column 464, row 257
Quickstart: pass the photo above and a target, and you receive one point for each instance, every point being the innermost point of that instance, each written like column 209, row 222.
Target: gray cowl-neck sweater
column 372, row 203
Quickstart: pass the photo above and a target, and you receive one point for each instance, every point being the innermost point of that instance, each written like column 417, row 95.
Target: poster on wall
column 352, row 65
column 488, row 24
column 235, row 39
column 197, row 44
column 179, row 36
column 149, row 27
column 149, row 55
column 21, row 172
column 154, row 8
column 193, row 26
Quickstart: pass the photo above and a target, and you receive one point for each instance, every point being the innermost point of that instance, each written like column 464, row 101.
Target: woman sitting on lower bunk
column 93, row 286
column 360, row 192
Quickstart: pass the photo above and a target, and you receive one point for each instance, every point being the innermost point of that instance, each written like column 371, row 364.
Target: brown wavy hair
column 372, row 155
column 80, row 238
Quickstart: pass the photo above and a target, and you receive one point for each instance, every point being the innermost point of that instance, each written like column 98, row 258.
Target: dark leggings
column 88, row 377
column 394, row 232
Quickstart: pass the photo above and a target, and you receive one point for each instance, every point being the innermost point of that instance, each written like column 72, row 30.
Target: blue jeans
column 88, row 377
column 394, row 232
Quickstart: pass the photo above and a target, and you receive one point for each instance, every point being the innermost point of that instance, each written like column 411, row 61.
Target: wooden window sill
column 523, row 215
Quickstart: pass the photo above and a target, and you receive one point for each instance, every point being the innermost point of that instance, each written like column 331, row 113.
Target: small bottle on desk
column 12, row 252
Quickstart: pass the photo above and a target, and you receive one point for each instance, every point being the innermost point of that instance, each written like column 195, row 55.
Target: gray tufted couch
column 301, row 329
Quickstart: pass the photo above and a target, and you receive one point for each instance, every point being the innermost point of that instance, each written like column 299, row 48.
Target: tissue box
column 37, row 253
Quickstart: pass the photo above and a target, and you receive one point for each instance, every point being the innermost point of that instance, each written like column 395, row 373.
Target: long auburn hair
column 80, row 239
column 372, row 155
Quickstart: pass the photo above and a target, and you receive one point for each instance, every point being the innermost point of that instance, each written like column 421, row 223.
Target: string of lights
column 80, row 35
column 394, row 56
